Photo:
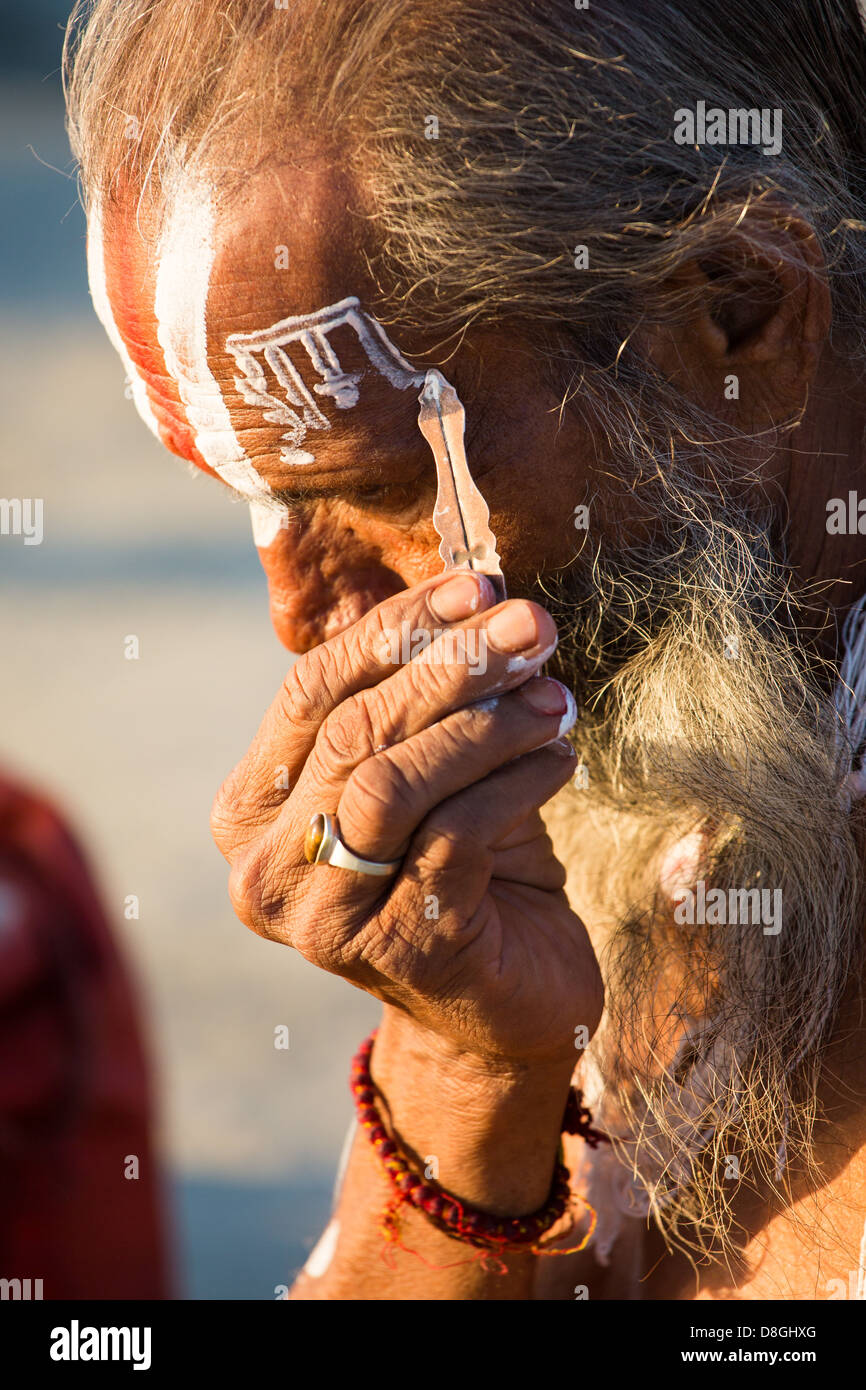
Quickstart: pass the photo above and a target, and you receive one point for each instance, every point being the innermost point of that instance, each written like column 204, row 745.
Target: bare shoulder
column 814, row 1249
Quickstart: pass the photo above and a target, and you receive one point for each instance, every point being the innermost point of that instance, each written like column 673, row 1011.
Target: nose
column 317, row 591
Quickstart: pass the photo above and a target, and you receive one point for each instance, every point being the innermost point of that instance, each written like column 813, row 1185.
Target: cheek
column 325, row 574
column 338, row 553
column 410, row 555
column 535, row 512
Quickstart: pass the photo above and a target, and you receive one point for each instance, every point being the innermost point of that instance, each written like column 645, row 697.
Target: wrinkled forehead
column 245, row 326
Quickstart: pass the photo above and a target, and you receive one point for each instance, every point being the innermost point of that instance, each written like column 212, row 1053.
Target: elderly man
column 632, row 238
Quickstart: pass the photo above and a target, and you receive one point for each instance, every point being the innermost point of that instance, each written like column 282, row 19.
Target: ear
column 755, row 308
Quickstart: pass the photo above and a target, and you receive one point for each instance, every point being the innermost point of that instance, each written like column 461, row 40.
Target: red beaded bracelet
column 492, row 1235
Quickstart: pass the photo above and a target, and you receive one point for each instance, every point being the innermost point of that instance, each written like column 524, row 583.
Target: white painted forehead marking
column 185, row 261
column 268, row 519
column 186, row 255
column 102, row 305
column 311, row 332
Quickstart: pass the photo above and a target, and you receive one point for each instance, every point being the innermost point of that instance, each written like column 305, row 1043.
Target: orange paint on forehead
column 187, row 287
column 130, row 260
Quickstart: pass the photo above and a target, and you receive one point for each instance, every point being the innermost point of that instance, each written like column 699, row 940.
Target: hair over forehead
column 554, row 130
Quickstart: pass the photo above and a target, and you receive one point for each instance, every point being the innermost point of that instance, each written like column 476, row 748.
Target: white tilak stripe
column 268, row 520
column 186, row 255
column 102, row 306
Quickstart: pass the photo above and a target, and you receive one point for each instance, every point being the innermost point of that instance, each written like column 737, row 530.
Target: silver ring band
column 323, row 845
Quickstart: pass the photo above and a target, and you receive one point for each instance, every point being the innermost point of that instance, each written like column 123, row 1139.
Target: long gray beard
column 707, row 724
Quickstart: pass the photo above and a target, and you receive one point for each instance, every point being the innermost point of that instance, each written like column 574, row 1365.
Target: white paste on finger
column 569, row 719
column 523, row 663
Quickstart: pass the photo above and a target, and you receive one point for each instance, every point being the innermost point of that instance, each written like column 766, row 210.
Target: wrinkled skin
column 506, row 972
column 440, row 768
column 374, row 534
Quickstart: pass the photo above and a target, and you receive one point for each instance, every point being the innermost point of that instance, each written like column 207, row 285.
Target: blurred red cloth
column 74, row 1095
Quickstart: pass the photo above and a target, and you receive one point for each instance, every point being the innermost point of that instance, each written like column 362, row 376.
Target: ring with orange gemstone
column 322, row 845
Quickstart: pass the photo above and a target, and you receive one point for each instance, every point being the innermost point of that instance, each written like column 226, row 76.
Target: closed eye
column 392, row 498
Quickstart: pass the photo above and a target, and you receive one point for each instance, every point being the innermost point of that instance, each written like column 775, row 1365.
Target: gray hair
column 556, row 131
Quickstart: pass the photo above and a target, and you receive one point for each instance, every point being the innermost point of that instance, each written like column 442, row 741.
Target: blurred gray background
column 133, row 751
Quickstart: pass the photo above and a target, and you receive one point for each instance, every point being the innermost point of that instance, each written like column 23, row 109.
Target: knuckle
column 425, row 672
column 299, row 690
column 457, row 736
column 349, row 733
column 235, row 813
column 448, row 839
column 251, row 892
column 307, row 688
column 385, row 627
column 221, row 821
column 438, row 674
column 244, row 887
column 377, row 713
column 223, row 813
column 379, row 791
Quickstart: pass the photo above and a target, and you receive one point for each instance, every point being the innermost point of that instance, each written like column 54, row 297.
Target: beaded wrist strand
column 491, row 1235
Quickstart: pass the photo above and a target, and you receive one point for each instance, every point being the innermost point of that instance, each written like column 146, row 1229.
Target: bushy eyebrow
column 399, row 457
column 297, row 496
column 380, row 473
column 312, row 493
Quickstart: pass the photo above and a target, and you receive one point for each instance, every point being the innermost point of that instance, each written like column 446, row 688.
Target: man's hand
column 442, row 763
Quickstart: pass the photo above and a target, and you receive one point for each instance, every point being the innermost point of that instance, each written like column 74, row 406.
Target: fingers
column 321, row 680
column 406, row 686
column 453, row 852
column 388, row 796
column 479, row 820
column 391, row 724
column 487, row 655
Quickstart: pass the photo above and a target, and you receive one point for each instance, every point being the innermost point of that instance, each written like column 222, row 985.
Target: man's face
column 358, row 483
column 687, row 735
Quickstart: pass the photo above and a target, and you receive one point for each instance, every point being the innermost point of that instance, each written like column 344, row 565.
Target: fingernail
column 513, row 628
column 562, row 745
column 459, row 597
column 545, row 696
column 569, row 717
